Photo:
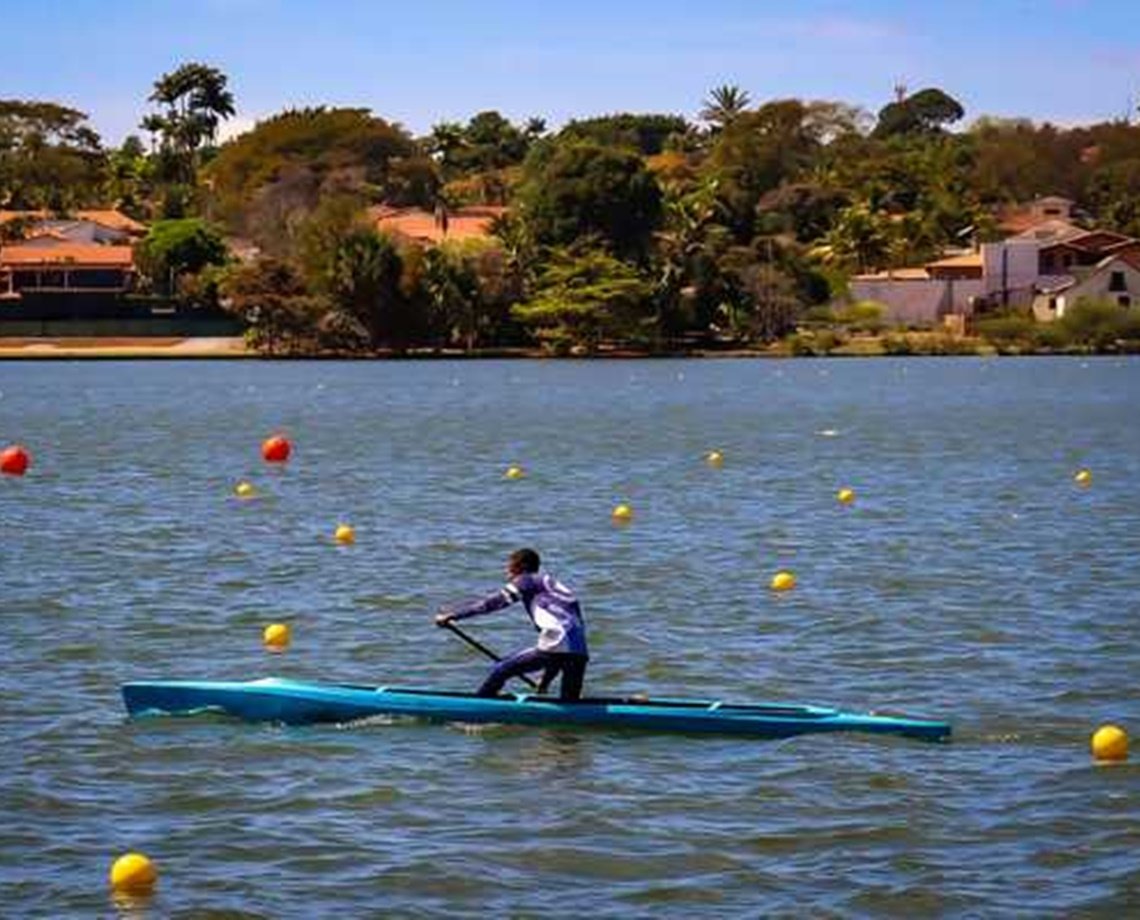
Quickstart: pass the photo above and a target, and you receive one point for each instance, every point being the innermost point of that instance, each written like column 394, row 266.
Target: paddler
column 556, row 615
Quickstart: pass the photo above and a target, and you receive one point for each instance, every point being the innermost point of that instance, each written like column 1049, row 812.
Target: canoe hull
column 299, row 703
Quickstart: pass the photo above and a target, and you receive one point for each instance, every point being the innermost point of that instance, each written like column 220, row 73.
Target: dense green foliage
column 173, row 249
column 642, row 229
column 585, row 295
column 49, row 157
column 576, row 190
column 643, row 134
column 267, row 178
column 193, row 100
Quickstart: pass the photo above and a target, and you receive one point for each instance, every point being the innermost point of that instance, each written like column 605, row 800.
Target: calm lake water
column 972, row 580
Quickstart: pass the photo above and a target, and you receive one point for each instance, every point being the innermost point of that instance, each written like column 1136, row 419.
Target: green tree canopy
column 49, row 157
column 578, row 190
column 757, row 152
column 646, row 134
column 173, row 248
column 585, row 295
column 194, row 100
column 267, row 177
column 487, row 141
column 926, row 112
column 272, row 298
column 358, row 270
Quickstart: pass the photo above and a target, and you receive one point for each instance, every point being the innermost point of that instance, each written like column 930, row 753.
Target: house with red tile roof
column 431, row 229
column 87, row 253
column 65, row 267
column 93, row 226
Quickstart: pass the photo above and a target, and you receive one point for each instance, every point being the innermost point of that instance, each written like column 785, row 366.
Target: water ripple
column 971, row 579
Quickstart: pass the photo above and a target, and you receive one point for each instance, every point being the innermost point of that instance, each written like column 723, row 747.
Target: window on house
column 1116, row 282
column 1053, row 304
column 1124, row 300
column 1052, row 212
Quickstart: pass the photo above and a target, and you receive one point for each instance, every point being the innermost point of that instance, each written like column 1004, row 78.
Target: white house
column 1040, row 266
column 1115, row 279
column 1003, row 274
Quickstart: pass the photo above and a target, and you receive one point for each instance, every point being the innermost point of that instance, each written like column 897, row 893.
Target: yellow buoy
column 845, row 496
column 277, row 637
column 344, row 534
column 622, row 514
column 1083, row 478
column 514, row 472
column 245, row 490
column 783, row 581
column 133, row 873
column 715, row 459
column 1110, row 742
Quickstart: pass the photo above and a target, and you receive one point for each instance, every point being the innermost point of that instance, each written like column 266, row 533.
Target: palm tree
column 724, row 104
column 534, row 129
column 195, row 100
column 211, row 100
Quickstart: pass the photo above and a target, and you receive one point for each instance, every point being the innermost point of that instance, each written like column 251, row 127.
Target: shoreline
column 235, row 348
column 95, row 348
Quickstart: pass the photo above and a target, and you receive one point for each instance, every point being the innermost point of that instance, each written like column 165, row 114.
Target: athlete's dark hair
column 524, row 560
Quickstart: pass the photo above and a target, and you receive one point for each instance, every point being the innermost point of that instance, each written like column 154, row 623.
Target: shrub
column 819, row 315
column 862, row 316
column 898, row 345
column 1009, row 332
column 1095, row 324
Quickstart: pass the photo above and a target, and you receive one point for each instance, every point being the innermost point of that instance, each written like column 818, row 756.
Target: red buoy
column 276, row 449
column 15, row 460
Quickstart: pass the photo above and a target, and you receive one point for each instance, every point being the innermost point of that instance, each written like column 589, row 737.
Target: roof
column 1131, row 256
column 1052, row 231
column 1107, row 261
column 116, row 220
column 1018, row 218
column 44, row 235
column 72, row 255
column 896, row 274
column 1054, row 284
column 1057, row 284
column 1131, row 244
column 1098, row 240
column 418, row 224
column 966, row 260
column 106, row 217
column 6, row 216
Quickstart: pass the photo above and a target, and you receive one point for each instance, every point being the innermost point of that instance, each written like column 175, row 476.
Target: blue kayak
column 296, row 702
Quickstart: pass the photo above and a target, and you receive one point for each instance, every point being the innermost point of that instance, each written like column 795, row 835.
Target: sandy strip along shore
column 108, row 347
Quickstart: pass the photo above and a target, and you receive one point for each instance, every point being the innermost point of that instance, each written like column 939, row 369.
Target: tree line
column 651, row 230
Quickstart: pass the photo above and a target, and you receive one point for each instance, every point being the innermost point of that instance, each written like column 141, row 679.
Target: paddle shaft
column 476, row 644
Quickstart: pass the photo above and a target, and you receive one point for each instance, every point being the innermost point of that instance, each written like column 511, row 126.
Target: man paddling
column 555, row 613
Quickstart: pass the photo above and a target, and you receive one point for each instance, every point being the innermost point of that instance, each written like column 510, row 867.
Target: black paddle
column 476, row 644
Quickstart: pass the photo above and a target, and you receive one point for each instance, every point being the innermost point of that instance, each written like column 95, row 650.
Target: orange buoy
column 276, row 449
column 15, row 460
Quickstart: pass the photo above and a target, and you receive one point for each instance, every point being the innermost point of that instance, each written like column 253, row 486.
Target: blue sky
column 423, row 61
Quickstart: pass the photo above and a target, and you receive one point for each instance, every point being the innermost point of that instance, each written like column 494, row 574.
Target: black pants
column 571, row 667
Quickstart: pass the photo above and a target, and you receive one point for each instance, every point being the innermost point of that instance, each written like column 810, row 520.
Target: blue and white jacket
column 551, row 606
